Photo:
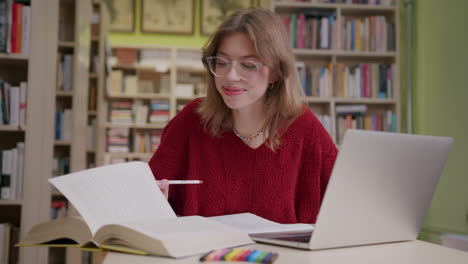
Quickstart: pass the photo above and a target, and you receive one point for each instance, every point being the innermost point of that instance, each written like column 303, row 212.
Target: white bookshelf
column 323, row 57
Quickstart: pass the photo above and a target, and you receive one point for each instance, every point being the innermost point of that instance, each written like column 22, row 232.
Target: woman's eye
column 221, row 63
column 248, row 65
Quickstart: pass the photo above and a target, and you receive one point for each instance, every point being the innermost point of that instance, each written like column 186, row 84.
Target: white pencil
column 185, row 182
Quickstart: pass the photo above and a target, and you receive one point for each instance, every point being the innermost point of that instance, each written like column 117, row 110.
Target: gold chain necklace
column 249, row 137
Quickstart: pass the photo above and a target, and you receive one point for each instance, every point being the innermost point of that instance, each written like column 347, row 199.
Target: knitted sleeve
column 170, row 161
column 317, row 164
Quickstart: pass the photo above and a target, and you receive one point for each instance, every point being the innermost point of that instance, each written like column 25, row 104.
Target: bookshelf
column 157, row 83
column 97, row 77
column 342, row 74
column 70, row 102
column 28, row 127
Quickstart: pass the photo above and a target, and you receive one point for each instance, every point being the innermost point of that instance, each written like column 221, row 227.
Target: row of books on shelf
column 121, row 83
column 122, row 140
column 385, row 121
column 366, row 2
column 365, row 80
column 64, row 72
column 13, row 104
column 319, row 30
column 63, row 124
column 15, row 17
column 128, row 112
column 9, row 237
column 12, row 172
column 373, row 33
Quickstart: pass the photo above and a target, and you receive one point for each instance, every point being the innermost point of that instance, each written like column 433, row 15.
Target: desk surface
column 410, row 252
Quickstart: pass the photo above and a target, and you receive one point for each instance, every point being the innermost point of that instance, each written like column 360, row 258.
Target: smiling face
column 237, row 92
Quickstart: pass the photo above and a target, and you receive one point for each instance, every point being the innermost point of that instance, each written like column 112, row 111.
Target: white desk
column 411, row 252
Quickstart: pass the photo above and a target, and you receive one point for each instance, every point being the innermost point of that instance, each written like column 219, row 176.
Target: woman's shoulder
column 307, row 127
column 306, row 120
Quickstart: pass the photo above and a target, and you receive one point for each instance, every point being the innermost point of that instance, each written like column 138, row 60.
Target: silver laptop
column 379, row 191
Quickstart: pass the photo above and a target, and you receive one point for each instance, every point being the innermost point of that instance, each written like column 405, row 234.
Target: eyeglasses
column 247, row 69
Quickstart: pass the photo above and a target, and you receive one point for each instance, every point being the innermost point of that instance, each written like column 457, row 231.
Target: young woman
column 252, row 141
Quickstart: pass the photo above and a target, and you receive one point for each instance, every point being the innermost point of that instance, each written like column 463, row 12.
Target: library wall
column 440, row 94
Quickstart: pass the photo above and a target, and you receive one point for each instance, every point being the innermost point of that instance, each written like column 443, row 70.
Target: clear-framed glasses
column 247, row 69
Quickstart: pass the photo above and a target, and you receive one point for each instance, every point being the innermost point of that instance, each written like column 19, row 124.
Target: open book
column 122, row 209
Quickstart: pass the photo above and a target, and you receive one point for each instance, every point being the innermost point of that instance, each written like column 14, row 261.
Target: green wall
column 440, row 98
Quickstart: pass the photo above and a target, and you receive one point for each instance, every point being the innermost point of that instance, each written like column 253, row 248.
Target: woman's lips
column 232, row 91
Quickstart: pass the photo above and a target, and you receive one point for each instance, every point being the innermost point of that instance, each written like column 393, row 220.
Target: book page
column 114, row 194
column 253, row 224
column 179, row 237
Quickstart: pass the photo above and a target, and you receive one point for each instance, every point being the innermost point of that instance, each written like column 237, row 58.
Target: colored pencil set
column 238, row 254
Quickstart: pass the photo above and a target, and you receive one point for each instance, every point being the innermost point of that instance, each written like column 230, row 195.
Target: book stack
column 146, row 142
column 159, row 111
column 15, row 17
column 12, row 172
column 140, row 112
column 312, row 30
column 355, row 117
column 373, row 33
column 118, row 140
column 365, row 80
column 126, row 56
column 13, row 104
column 121, row 112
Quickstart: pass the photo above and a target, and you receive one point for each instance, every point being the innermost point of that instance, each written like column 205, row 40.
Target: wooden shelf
column 137, row 126
column 93, row 75
column 10, row 202
column 365, row 100
column 187, row 98
column 66, row 44
column 148, row 96
column 92, row 113
column 14, row 56
column 344, row 53
column 62, row 143
column 64, row 94
column 130, row 155
column 10, row 128
column 289, row 7
column 91, row 151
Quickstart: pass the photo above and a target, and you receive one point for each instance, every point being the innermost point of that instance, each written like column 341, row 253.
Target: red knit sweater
column 285, row 186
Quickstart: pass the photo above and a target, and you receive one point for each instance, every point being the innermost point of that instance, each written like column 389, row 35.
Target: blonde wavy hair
column 284, row 97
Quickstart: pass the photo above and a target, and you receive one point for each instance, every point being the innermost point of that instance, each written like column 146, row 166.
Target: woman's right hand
column 164, row 187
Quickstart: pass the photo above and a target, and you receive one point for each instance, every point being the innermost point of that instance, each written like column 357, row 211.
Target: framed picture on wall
column 168, row 16
column 214, row 12
column 122, row 13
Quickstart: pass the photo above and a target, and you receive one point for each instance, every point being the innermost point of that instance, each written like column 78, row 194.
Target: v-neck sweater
column 285, row 186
